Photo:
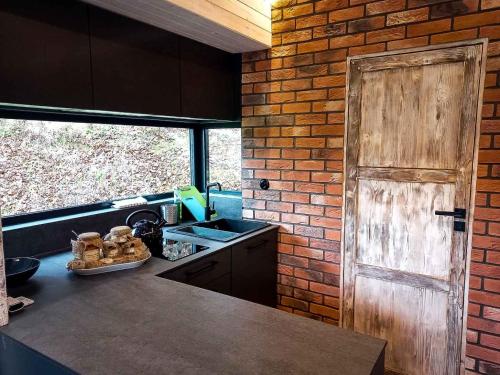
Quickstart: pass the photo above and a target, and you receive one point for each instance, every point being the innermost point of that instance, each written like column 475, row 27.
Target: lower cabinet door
column 254, row 269
column 220, row 285
column 202, row 271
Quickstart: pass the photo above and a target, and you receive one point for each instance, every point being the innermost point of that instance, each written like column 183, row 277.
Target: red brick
column 492, row 32
column 296, row 107
column 299, row 10
column 485, row 298
column 267, row 174
column 408, row 16
column 408, row 43
column 296, row 175
column 309, row 165
column 325, row 222
column 453, row 8
column 329, row 290
column 362, row 50
column 310, row 142
column 307, row 296
column 311, row 21
column 280, row 206
column 297, row 84
column 295, row 303
column 309, row 209
column 267, row 110
column 491, row 313
column 346, row 14
column 492, row 285
column 308, row 253
column 385, row 34
column 295, row 197
column 279, row 164
column 384, row 6
column 327, row 200
column 366, row 24
column 491, row 341
column 483, row 325
column 267, row 215
column 474, row 20
column 311, row 95
column 299, row 60
column 279, row 27
column 279, row 142
column 317, row 45
column 488, row 4
column 309, row 187
column 483, row 353
column 325, row 5
column 427, row 28
column 347, row 41
column 296, row 154
column 324, row 311
column 296, row 36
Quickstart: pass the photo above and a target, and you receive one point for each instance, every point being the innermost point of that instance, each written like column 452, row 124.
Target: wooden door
column 411, row 144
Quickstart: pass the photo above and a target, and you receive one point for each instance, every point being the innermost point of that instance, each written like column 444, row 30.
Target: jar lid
column 121, row 230
column 89, row 236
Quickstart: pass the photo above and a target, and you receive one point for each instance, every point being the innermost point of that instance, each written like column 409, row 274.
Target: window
column 224, row 157
column 47, row 165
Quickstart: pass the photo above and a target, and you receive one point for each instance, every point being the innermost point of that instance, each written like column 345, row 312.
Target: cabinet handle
column 254, row 247
column 204, row 268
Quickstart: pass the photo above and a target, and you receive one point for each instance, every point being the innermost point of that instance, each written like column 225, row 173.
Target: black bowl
column 18, row 270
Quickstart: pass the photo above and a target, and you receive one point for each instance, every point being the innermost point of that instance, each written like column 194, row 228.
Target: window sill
column 64, row 218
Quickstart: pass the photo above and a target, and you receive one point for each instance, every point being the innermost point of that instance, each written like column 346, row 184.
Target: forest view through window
column 47, row 165
column 224, row 157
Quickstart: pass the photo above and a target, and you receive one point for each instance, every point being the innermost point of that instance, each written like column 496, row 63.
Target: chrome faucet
column 209, row 211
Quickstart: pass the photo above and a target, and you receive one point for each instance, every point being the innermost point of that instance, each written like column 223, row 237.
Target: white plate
column 111, row 267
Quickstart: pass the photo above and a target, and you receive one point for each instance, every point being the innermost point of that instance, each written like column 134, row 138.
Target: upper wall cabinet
column 211, row 81
column 44, row 53
column 231, row 25
column 135, row 66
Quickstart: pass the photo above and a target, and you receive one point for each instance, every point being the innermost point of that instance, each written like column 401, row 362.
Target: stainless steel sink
column 223, row 230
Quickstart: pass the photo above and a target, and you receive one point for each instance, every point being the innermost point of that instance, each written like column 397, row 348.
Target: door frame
column 477, row 132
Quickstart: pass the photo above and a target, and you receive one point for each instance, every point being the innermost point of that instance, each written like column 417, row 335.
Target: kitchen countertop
column 132, row 322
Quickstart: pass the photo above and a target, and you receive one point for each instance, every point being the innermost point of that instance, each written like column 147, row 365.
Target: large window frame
column 197, row 144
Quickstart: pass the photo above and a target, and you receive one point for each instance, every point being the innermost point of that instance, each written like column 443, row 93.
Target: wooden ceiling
column 231, row 25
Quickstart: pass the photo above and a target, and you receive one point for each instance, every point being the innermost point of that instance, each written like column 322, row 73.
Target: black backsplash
column 51, row 237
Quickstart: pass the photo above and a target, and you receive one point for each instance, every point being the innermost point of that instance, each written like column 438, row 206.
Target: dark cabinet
column 207, row 272
column 254, row 269
column 72, row 55
column 211, row 81
column 44, row 53
column 247, row 270
column 135, row 66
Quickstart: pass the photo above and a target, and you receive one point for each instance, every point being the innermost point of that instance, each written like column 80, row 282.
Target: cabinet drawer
column 220, row 285
column 254, row 269
column 202, row 271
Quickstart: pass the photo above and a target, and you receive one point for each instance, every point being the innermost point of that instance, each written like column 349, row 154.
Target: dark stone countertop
column 133, row 322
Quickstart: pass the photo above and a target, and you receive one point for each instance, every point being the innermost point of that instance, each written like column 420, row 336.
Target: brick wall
column 293, row 116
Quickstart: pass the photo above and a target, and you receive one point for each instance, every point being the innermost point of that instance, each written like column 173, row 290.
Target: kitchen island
column 133, row 322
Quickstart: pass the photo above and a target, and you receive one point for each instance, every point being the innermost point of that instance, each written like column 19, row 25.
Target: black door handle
column 458, row 213
column 254, row 247
column 206, row 267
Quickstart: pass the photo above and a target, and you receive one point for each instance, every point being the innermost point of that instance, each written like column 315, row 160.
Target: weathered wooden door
column 410, row 151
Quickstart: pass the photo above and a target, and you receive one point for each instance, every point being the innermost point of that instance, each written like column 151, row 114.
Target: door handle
column 206, row 267
column 458, row 213
column 255, row 247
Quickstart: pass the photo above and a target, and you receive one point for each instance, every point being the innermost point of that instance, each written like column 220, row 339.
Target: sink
column 221, row 229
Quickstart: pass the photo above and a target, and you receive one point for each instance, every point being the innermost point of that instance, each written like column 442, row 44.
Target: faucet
column 209, row 211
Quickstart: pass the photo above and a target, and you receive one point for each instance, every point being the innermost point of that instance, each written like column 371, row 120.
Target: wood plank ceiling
column 231, row 25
